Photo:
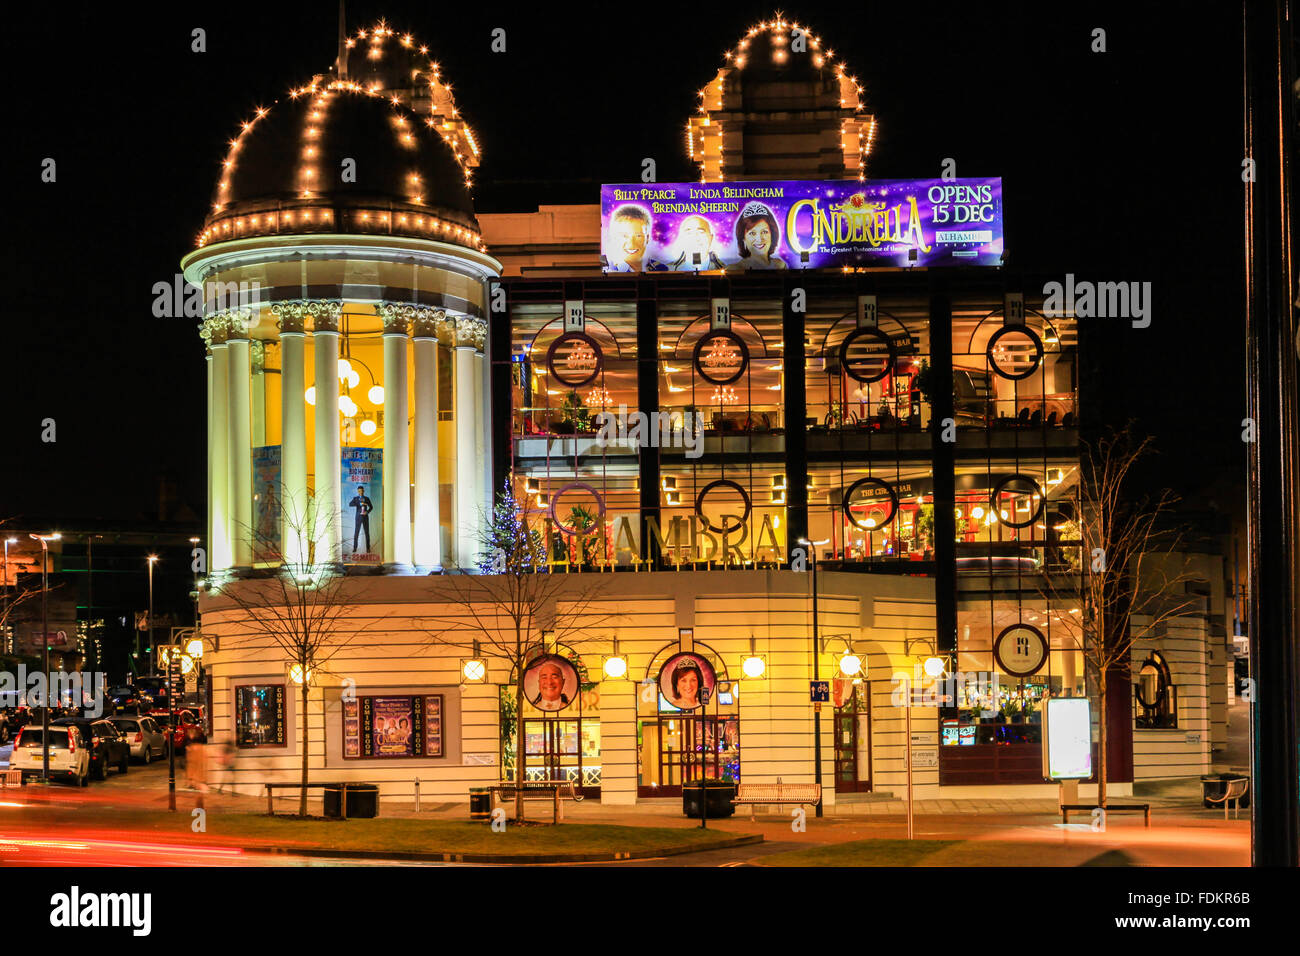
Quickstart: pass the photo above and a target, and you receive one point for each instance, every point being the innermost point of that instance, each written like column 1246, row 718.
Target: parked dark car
column 108, row 746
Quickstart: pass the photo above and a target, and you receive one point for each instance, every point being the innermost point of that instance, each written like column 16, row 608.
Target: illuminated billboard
column 1067, row 739
column 839, row 224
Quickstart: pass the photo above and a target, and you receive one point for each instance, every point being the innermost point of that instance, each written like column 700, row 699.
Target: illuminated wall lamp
column 850, row 664
column 615, row 665
column 755, row 665
column 473, row 670
column 295, row 674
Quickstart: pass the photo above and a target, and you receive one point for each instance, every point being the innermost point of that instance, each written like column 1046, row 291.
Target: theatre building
column 784, row 424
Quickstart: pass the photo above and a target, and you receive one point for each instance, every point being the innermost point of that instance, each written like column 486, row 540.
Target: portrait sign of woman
column 757, row 238
column 550, row 682
column 683, row 680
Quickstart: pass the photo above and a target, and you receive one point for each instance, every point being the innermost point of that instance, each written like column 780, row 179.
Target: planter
column 363, row 800
column 719, row 794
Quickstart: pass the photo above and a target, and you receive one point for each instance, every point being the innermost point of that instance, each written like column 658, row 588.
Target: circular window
column 1010, row 494
column 574, row 359
column 721, row 357
column 1020, row 650
column 876, row 492
column 1014, row 352
column 578, row 513
column 724, row 529
column 867, row 355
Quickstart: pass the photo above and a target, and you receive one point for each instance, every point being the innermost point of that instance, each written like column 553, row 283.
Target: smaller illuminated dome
column 780, row 69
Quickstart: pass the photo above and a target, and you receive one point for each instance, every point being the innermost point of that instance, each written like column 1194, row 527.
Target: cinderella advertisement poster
column 739, row 227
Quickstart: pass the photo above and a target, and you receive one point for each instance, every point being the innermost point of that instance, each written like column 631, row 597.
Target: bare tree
column 304, row 606
column 502, row 611
column 11, row 600
column 1132, row 579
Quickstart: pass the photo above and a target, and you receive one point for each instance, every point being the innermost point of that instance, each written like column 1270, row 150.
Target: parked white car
column 144, row 735
column 69, row 754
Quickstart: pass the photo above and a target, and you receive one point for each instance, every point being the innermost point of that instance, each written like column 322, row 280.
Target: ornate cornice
column 257, row 351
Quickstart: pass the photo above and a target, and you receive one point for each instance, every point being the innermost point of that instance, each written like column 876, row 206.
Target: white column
column 483, row 489
column 428, row 544
column 239, row 375
column 397, row 447
column 467, row 544
column 328, row 533
column 219, row 556
column 293, row 445
column 258, row 355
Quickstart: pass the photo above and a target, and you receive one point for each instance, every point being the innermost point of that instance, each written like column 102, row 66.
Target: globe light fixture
column 753, row 666
column 473, row 670
column 345, row 369
column 933, row 666
column 195, row 648
column 347, row 406
column 295, row 673
column 368, row 427
column 615, row 667
column 376, row 394
column 850, row 664
column 310, row 395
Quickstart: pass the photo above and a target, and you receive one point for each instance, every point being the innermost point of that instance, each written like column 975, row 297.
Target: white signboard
column 924, row 758
column 479, row 760
column 1067, row 738
column 925, row 738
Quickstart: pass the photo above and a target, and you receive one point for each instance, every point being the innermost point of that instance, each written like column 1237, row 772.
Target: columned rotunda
column 346, row 368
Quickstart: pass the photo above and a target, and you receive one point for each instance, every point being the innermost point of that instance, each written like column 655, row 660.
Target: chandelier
column 724, row 395
column 581, row 359
column 719, row 354
column 598, row 397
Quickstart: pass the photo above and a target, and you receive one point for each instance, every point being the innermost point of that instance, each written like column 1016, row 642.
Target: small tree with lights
column 502, row 610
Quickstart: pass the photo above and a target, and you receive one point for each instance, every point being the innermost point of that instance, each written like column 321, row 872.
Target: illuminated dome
column 388, row 111
column 781, row 69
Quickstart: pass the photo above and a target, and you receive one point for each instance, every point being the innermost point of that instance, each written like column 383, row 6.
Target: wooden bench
column 1067, row 808
column 550, row 790
column 11, row 777
column 777, row 794
column 1235, row 790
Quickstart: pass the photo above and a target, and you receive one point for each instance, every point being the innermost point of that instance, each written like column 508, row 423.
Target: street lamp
column 45, row 540
column 817, row 653
column 152, row 559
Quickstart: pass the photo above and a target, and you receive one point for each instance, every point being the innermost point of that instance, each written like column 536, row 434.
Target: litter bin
column 1216, row 785
column 718, row 793
column 480, row 803
column 363, row 800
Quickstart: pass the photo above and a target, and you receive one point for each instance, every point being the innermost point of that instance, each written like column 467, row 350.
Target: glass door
column 853, row 743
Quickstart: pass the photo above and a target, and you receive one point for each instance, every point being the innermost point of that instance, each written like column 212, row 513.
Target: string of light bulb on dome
column 305, row 217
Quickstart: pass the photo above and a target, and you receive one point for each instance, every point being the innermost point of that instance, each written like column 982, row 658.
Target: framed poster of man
column 686, row 680
column 550, row 682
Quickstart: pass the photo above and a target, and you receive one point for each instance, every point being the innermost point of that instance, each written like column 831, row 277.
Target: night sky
column 1124, row 165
